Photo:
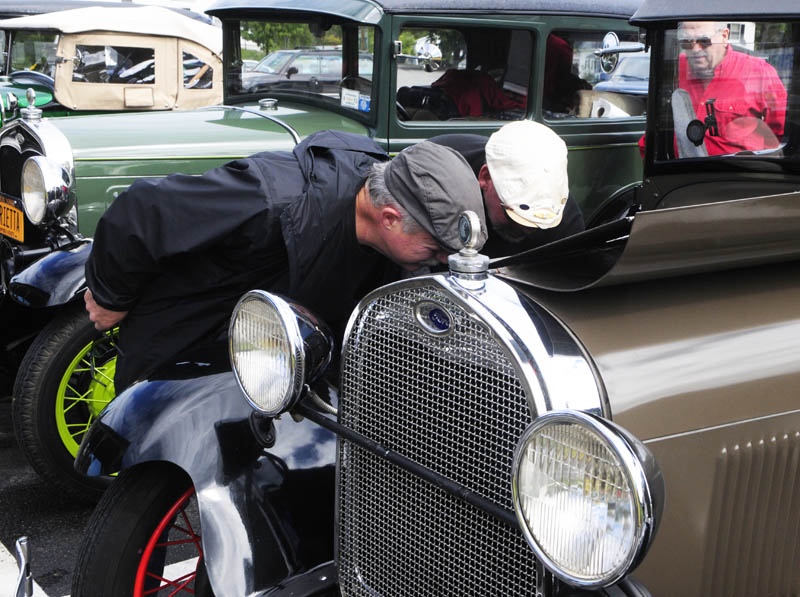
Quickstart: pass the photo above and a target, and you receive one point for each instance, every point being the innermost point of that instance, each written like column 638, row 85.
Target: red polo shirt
column 750, row 103
column 747, row 90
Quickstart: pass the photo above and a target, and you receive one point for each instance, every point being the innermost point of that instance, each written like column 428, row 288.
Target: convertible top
column 679, row 10
column 148, row 20
column 370, row 11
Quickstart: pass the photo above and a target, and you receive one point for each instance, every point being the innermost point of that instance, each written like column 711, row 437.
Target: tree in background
column 276, row 36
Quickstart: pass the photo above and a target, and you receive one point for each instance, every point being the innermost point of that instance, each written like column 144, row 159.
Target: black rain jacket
column 177, row 253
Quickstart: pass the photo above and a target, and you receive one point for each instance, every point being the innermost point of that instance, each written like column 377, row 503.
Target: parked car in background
column 630, row 76
column 313, row 69
column 58, row 175
column 615, row 413
column 101, row 58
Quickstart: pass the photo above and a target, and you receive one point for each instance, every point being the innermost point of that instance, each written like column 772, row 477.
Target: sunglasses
column 688, row 44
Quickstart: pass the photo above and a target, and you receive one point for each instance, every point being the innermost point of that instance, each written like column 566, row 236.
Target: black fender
column 53, row 280
column 267, row 514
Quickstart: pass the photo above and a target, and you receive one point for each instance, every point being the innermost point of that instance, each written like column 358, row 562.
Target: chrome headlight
column 275, row 349
column 44, row 189
column 587, row 495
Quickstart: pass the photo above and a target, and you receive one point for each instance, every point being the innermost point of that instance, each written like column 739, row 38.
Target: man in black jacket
column 522, row 171
column 321, row 225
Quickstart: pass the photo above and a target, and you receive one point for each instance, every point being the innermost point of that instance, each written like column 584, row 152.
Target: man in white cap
column 522, row 172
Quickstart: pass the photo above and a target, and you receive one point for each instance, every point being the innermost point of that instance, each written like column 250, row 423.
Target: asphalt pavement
column 29, row 506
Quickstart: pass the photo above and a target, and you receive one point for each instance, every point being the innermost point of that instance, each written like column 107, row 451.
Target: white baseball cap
column 528, row 165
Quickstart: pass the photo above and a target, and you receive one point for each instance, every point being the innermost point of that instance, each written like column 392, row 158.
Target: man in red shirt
column 745, row 91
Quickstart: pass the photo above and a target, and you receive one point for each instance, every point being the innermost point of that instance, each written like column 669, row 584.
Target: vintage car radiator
column 449, row 399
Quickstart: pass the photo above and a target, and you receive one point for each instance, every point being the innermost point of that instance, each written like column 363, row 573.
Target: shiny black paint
column 54, row 280
column 270, row 507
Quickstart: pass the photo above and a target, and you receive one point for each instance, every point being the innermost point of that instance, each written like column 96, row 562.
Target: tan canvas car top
column 150, row 20
column 181, row 55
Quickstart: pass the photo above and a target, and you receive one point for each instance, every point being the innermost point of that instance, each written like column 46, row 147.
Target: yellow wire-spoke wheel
column 85, row 389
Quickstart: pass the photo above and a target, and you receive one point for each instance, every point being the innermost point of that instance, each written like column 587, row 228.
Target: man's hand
column 102, row 318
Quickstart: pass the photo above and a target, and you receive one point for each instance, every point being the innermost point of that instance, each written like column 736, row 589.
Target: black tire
column 124, row 522
column 35, row 399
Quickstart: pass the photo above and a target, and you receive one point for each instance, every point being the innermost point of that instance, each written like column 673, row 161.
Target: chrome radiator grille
column 451, row 403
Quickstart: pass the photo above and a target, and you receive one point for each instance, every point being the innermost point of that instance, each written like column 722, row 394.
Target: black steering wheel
column 402, row 112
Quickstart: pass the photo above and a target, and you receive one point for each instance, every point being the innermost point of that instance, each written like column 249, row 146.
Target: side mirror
column 292, row 71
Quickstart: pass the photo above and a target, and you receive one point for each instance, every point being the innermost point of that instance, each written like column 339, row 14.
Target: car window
column 34, row 50
column 724, row 89
column 470, row 73
column 197, row 74
column 577, row 83
column 332, row 65
column 331, row 62
column 308, row 64
column 114, row 64
column 272, row 63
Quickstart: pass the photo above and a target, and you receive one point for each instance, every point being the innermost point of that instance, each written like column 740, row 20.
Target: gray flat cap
column 435, row 184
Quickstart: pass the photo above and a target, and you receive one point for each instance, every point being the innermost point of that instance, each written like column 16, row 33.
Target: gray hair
column 380, row 196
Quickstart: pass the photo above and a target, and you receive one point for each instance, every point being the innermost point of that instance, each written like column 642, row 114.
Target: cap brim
column 522, row 221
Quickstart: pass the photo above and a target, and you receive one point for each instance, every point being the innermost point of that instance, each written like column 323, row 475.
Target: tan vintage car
column 102, row 58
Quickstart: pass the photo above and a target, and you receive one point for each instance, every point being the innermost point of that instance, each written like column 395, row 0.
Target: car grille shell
column 451, row 402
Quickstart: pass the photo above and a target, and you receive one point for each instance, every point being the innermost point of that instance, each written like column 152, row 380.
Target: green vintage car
column 398, row 71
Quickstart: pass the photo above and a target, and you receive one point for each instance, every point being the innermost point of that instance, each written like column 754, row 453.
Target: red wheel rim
column 176, row 519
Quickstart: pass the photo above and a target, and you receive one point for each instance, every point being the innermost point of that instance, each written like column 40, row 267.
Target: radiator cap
column 468, row 264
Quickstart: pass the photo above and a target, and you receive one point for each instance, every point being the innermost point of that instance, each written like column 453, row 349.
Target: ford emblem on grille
column 433, row 317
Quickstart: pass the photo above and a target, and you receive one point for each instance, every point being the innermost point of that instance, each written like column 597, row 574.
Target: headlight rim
column 56, row 190
column 635, row 472
column 296, row 349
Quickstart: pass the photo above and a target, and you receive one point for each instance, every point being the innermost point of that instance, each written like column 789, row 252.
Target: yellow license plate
column 12, row 222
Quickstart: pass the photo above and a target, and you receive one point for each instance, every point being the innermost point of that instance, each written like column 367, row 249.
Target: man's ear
column 390, row 217
column 484, row 178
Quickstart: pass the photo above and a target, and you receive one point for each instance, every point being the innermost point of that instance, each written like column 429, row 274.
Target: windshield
column 725, row 90
column 33, row 50
column 315, row 60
